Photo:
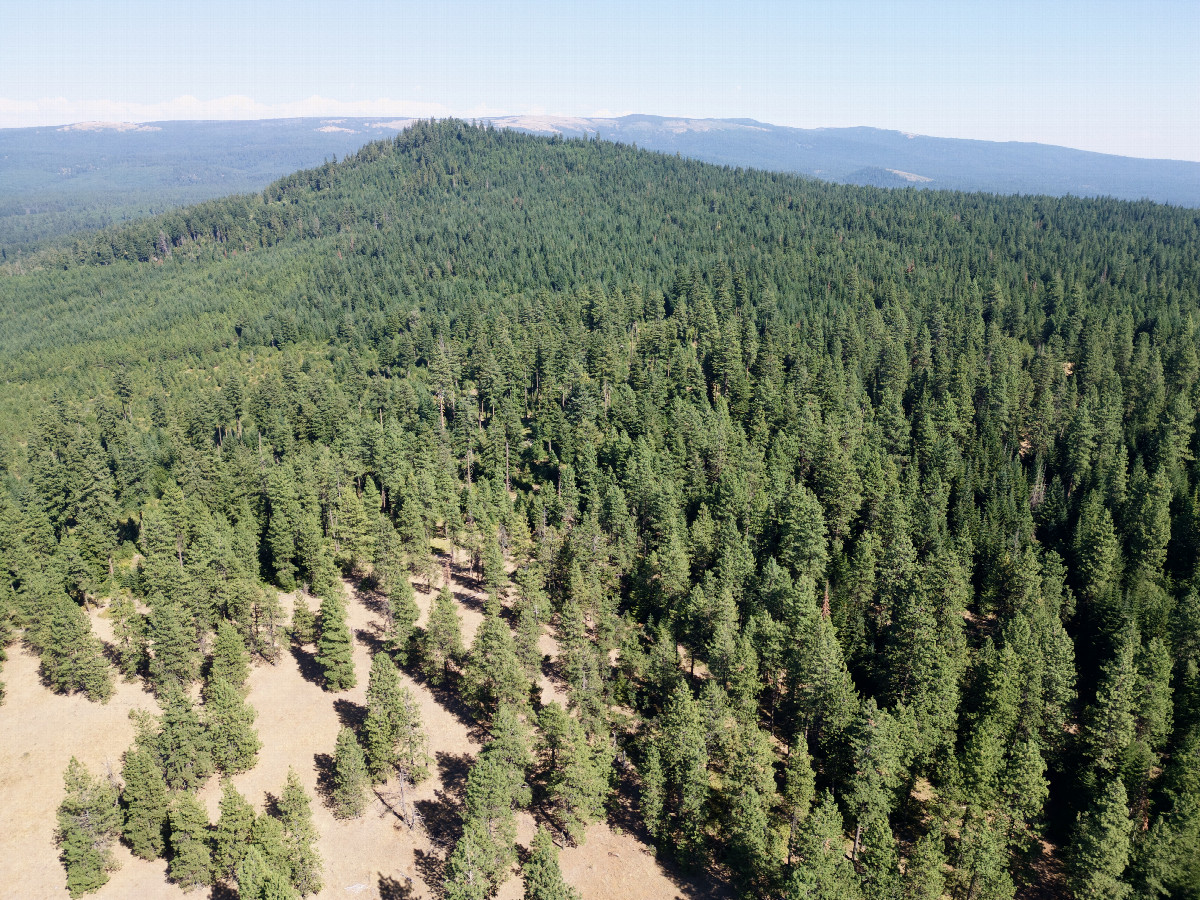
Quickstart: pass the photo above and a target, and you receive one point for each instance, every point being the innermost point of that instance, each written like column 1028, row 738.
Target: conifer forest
column 826, row 542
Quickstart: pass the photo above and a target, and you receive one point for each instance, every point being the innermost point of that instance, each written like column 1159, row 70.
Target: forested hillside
column 866, row 523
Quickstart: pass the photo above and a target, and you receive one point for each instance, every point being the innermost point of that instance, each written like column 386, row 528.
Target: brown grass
column 374, row 856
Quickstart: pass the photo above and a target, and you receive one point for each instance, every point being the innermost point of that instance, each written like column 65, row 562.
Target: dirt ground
column 374, row 856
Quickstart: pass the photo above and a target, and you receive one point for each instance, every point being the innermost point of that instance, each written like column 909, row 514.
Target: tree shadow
column 323, row 763
column 222, row 891
column 442, row 814
column 431, row 868
column 395, row 888
column 446, row 694
column 352, row 715
column 369, row 639
column 306, row 661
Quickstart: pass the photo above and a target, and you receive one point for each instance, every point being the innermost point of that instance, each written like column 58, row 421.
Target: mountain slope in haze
column 89, row 175
column 892, row 158
column 55, row 180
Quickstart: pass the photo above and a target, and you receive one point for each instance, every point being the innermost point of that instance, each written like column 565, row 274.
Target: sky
column 1114, row 77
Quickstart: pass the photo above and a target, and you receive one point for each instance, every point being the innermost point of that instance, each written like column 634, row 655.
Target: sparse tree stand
column 335, row 653
column 350, row 778
column 88, row 822
column 541, row 873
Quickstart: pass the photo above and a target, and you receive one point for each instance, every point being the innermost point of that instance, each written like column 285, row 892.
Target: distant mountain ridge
column 892, row 158
column 55, row 180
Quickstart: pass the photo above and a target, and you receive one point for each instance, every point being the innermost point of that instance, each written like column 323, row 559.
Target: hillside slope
column 859, row 530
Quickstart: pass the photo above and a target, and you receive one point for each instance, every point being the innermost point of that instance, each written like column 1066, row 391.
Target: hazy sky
column 1114, row 77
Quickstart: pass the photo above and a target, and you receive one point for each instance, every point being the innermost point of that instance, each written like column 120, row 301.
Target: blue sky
column 1113, row 77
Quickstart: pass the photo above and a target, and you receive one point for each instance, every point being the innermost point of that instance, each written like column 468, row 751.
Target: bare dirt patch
column 374, row 856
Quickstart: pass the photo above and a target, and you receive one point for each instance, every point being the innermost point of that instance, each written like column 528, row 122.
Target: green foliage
column 1100, row 852
column 231, row 837
column 183, row 745
column 146, row 803
column 906, row 482
column 73, row 658
column 230, row 662
column 393, row 732
column 88, row 821
column 443, row 636
column 229, row 723
column 335, row 652
column 299, row 837
column 350, row 777
column 541, row 873
column 191, row 856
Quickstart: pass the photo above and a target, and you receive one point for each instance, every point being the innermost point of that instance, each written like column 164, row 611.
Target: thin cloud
column 62, row 111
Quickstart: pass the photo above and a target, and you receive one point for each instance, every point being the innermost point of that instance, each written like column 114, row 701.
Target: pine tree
column 579, row 784
column 443, row 637
column 541, row 873
column 146, row 803
column 230, row 661
column 403, row 613
column 229, row 721
column 469, row 873
column 799, row 787
column 191, row 858
column 350, row 778
column 822, row 870
column 384, row 708
column 73, row 659
column 231, row 838
column 924, row 878
column 683, row 751
column 88, row 822
column 258, row 880
column 493, row 671
column 304, row 624
column 175, row 658
column 335, row 652
column 295, row 815
column 183, row 744
column 1102, row 843
column 129, row 633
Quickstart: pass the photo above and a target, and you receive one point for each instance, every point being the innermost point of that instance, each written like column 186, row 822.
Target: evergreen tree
column 541, row 873
column 146, row 803
column 230, row 662
column 924, row 878
column 1100, row 852
column 402, row 617
column 822, row 870
column 493, row 670
column 183, row 745
column 579, row 783
column 799, row 788
column 304, row 624
column 443, row 637
column 335, row 652
column 258, row 880
column 175, row 657
column 231, row 838
column 295, row 815
column 191, row 857
column 229, row 721
column 88, row 821
column 350, row 778
column 129, row 636
column 73, row 659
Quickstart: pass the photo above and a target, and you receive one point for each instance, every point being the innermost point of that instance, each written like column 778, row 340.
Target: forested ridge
column 866, row 522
